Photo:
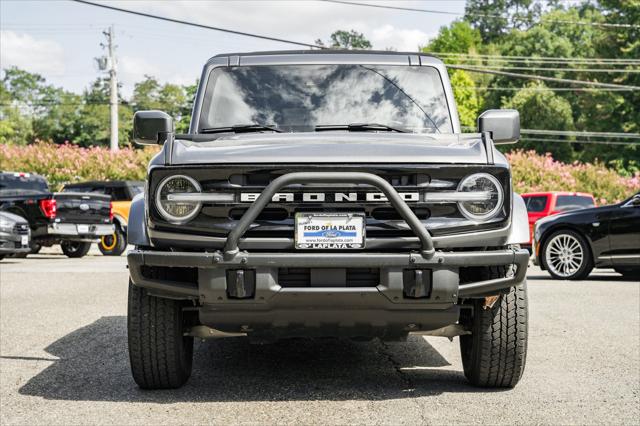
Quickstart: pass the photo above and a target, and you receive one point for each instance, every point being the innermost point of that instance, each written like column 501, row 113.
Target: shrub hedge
column 532, row 172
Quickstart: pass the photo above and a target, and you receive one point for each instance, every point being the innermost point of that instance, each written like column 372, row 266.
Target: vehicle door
column 624, row 233
column 536, row 209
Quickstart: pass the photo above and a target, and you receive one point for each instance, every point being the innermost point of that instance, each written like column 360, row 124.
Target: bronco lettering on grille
column 320, row 197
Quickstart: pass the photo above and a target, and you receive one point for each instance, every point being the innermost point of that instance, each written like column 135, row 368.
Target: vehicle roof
column 531, row 194
column 104, row 183
column 24, row 174
column 319, row 52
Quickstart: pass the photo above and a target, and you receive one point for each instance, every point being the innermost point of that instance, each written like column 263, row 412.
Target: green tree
column 170, row 98
column 494, row 18
column 543, row 109
column 466, row 98
column 459, row 37
column 341, row 39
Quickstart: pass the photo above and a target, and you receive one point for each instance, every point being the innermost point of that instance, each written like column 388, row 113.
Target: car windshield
column 298, row 98
column 21, row 183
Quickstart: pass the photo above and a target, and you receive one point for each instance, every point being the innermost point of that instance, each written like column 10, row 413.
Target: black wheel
column 114, row 244
column 567, row 256
column 2, row 256
column 160, row 355
column 75, row 249
column 35, row 248
column 628, row 272
column 494, row 355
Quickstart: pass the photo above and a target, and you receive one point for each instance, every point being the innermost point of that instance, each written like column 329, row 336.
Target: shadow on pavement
column 93, row 365
column 594, row 276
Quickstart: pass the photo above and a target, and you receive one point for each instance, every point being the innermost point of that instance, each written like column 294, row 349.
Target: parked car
column 284, row 214
column 73, row 220
column 543, row 204
column 14, row 235
column 569, row 245
column 121, row 193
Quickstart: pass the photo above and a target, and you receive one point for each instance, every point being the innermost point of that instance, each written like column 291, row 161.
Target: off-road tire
column 160, row 355
column 75, row 249
column 494, row 355
column 114, row 244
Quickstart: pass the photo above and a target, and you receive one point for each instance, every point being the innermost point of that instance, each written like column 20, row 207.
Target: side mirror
column 634, row 201
column 503, row 124
column 151, row 127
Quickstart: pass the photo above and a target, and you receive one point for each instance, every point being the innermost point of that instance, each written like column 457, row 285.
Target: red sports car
column 541, row 204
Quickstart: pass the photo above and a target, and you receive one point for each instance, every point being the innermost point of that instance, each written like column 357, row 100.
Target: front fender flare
column 136, row 227
column 519, row 233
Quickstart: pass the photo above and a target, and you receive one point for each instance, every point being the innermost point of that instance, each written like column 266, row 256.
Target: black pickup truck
column 73, row 220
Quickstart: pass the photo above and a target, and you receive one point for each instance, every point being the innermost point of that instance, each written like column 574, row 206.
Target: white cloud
column 399, row 39
column 132, row 69
column 35, row 55
column 302, row 21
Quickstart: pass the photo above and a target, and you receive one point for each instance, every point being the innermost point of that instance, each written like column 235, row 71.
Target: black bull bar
column 232, row 257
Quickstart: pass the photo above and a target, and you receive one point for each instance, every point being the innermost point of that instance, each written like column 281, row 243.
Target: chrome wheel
column 564, row 255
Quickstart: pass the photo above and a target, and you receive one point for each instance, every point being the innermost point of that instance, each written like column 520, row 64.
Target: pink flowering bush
column 67, row 163
column 534, row 172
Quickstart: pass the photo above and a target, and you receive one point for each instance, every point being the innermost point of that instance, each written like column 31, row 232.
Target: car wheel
column 566, row 256
column 160, row 355
column 2, row 256
column 495, row 352
column 75, row 249
column 114, row 244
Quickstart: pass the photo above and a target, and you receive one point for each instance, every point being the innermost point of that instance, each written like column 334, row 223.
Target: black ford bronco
column 327, row 194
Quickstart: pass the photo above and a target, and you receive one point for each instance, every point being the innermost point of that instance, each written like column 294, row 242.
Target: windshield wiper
column 360, row 127
column 242, row 128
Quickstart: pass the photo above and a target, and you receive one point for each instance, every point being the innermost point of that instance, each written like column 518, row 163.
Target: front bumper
column 382, row 310
column 11, row 242
column 79, row 230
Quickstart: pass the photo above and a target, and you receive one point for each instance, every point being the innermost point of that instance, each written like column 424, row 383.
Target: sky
column 59, row 39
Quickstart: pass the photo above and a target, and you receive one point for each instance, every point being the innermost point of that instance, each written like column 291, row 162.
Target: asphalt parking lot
column 63, row 360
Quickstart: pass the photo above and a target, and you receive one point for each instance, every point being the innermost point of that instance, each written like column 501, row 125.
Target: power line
column 542, row 89
column 581, row 142
column 586, row 133
column 553, row 59
column 581, row 134
column 481, row 15
column 589, row 70
column 541, row 77
column 193, row 24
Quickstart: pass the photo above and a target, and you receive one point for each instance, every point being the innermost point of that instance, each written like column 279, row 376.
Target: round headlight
column 485, row 196
column 171, row 205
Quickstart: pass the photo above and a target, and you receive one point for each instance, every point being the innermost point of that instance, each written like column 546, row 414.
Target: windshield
column 21, row 183
column 297, row 98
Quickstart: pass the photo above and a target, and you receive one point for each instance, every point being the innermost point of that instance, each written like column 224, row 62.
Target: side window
column 572, row 202
column 537, row 203
column 119, row 194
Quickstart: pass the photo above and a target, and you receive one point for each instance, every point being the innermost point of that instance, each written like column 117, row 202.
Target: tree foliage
column 341, row 39
column 528, row 29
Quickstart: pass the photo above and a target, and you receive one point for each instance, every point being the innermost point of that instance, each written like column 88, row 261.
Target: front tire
column 160, row 355
column 75, row 249
column 567, row 256
column 494, row 355
column 114, row 244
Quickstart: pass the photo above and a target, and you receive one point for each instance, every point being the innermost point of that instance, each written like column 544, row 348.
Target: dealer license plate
column 24, row 240
column 83, row 229
column 329, row 231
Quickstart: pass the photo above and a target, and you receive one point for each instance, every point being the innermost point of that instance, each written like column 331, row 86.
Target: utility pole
column 113, row 79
